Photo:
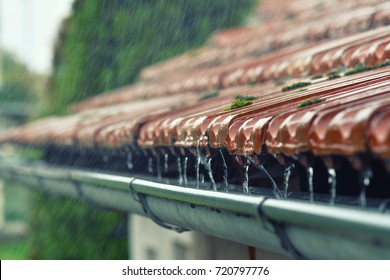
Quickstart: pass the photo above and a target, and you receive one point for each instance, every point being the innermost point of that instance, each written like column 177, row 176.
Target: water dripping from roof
column 210, row 172
column 276, row 190
column 166, row 163
column 364, row 183
column 310, row 181
column 197, row 171
column 130, row 165
column 287, row 174
column 332, row 185
column 205, row 160
column 158, row 161
column 180, row 171
column 150, row 165
column 245, row 184
column 185, row 180
column 225, row 171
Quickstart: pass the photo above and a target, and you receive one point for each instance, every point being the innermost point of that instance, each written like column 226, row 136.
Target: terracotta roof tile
column 165, row 112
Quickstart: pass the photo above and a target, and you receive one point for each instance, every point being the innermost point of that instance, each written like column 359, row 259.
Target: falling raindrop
column 185, row 171
column 166, row 163
column 310, row 181
column 159, row 176
column 364, row 183
column 150, row 165
column 245, row 184
column 201, row 178
column 225, row 171
column 287, row 174
column 180, row 171
column 197, row 171
column 130, row 165
column 197, row 164
column 332, row 185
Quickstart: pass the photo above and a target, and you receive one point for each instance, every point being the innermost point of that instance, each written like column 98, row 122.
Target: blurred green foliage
column 101, row 46
column 18, row 82
column 69, row 229
column 14, row 250
column 104, row 44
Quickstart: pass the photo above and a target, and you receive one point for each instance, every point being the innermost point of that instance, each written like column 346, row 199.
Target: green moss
column 301, row 90
column 336, row 73
column 310, row 102
column 333, row 75
column 384, row 64
column 247, row 98
column 316, row 76
column 208, row 94
column 362, row 68
column 357, row 69
column 296, row 85
column 238, row 103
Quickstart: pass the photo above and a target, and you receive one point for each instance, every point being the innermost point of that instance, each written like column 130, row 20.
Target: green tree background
column 104, row 44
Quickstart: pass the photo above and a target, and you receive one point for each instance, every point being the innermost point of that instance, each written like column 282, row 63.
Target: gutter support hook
column 141, row 198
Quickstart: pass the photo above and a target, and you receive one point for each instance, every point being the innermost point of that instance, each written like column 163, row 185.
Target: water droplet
column 150, row 165
column 201, row 178
column 130, row 165
column 197, row 171
column 105, row 158
column 210, row 171
column 332, row 185
column 225, row 171
column 185, row 171
column 159, row 175
column 287, row 174
column 310, row 181
column 276, row 190
column 180, row 171
column 166, row 164
column 364, row 183
column 197, row 164
column 205, row 160
column 245, row 184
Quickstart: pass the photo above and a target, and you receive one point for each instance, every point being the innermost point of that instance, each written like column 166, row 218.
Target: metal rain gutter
column 302, row 229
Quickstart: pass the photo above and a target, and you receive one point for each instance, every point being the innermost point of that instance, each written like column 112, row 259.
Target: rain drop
column 332, row 185
column 364, row 183
column 225, row 171
column 310, row 181
column 287, row 174
column 130, row 165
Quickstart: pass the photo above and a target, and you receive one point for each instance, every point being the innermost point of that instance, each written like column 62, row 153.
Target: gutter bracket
column 141, row 198
column 280, row 230
column 84, row 198
column 384, row 206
